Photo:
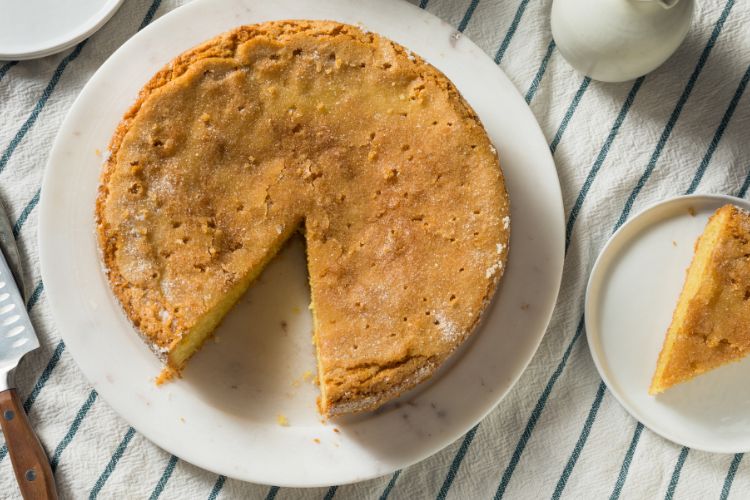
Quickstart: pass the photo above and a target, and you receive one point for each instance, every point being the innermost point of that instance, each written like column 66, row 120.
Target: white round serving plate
column 31, row 29
column 224, row 415
column 631, row 295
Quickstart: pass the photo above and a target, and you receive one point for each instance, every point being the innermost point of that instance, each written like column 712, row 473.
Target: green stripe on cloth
column 49, row 89
column 600, row 160
column 38, row 289
column 6, row 67
column 423, row 4
column 390, row 485
column 720, row 131
column 273, row 490
column 72, row 430
column 25, row 213
column 150, row 13
column 535, row 414
column 540, row 73
column 218, row 485
column 582, row 438
column 569, row 114
column 116, row 456
column 44, row 377
column 625, row 467
column 331, row 493
column 676, row 473
column 730, row 476
column 511, row 31
column 168, row 470
column 467, row 15
column 678, row 109
column 456, row 464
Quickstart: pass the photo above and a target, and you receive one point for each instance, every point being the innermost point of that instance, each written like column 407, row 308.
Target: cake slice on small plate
column 711, row 323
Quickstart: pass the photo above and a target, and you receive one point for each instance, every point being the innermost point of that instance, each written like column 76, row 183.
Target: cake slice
column 711, row 324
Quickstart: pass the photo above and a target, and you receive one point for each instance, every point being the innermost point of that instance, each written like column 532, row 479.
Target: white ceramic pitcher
column 619, row 40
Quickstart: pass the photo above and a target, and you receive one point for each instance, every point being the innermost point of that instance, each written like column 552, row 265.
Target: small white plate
column 631, row 294
column 222, row 415
column 36, row 28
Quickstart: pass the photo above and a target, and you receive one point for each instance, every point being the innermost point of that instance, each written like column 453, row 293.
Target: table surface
column 559, row 433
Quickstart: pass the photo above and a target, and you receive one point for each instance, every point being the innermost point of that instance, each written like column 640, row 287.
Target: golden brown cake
column 318, row 126
column 711, row 324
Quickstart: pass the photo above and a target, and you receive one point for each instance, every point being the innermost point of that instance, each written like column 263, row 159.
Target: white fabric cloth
column 558, row 432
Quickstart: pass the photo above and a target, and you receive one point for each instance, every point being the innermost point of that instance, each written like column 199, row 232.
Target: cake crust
column 266, row 129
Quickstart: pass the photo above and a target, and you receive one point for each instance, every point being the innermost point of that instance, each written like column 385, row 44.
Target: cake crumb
column 182, row 419
column 316, row 440
column 336, row 430
column 674, row 243
column 282, row 420
column 284, row 326
column 308, row 376
column 525, row 307
column 691, row 211
column 296, row 310
column 98, row 152
column 166, row 375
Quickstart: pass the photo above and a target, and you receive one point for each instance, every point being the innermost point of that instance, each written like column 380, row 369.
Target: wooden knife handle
column 33, row 472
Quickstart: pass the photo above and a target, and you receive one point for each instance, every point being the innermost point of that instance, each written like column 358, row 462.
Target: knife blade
column 10, row 250
column 17, row 338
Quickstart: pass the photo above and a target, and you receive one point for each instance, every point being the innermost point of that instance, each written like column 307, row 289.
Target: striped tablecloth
column 559, row 433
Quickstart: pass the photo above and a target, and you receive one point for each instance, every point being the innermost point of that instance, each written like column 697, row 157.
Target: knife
column 17, row 338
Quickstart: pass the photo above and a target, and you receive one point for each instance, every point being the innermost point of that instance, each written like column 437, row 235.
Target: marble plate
column 224, row 414
column 632, row 292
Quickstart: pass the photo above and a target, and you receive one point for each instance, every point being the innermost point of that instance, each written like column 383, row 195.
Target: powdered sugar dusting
column 159, row 349
column 493, row 269
column 500, row 248
column 362, row 28
column 165, row 317
column 506, row 222
column 449, row 329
